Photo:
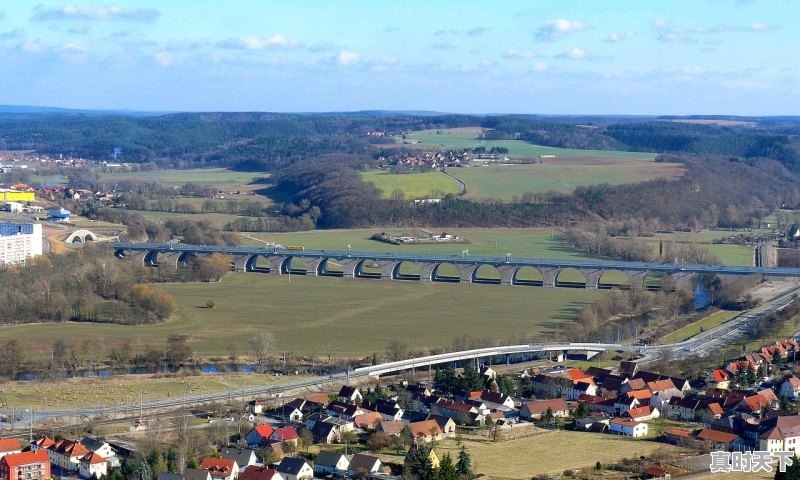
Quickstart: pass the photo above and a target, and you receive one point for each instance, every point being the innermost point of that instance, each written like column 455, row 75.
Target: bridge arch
column 528, row 276
column 407, row 270
column 570, row 278
column 659, row 281
column 487, row 273
column 368, row 268
column 330, row 267
column 613, row 279
column 294, row 265
column 81, row 236
column 445, row 272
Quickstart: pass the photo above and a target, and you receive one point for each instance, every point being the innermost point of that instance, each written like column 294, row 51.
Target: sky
column 733, row 57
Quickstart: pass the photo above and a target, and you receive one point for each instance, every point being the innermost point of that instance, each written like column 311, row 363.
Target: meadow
column 311, row 314
column 467, row 138
column 505, row 182
column 199, row 176
column 413, row 185
column 710, row 321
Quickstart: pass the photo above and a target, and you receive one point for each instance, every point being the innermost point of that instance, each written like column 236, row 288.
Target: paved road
column 456, row 259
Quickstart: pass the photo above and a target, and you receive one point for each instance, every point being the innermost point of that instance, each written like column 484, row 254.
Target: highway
column 699, row 345
column 463, row 259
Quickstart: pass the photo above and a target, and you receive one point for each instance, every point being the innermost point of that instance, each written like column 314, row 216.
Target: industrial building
column 7, row 195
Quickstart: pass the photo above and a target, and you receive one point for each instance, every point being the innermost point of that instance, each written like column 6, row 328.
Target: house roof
column 640, row 394
column 26, row 458
column 793, row 381
column 367, row 419
column 93, row 458
column 224, row 466
column 660, row 385
column 424, row 429
column 319, row 398
column 392, row 427
column 720, row 375
column 44, row 441
column 539, row 407
column 709, row 435
column 624, row 422
column 342, row 408
column 9, row 445
column 367, row 462
column 264, row 430
column 70, row 448
column 679, row 432
column 326, row 458
column 576, row 374
column 241, row 455
column 284, row 434
column 637, row 384
column 456, row 406
column 778, row 428
column 292, row 465
column 348, row 392
column 259, row 472
column 639, row 412
column 715, row 408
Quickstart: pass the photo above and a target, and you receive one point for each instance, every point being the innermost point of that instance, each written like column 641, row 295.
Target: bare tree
column 261, row 348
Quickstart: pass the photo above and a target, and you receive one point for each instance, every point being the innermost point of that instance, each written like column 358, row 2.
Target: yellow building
column 16, row 196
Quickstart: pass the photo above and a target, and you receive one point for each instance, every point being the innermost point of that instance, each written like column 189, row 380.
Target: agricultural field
column 507, row 182
column 126, row 389
column 716, row 318
column 550, row 452
column 306, row 313
column 199, row 176
column 467, row 137
column 217, row 220
column 413, row 185
column 728, row 254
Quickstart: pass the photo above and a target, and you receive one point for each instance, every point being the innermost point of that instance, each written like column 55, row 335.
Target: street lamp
column 508, row 257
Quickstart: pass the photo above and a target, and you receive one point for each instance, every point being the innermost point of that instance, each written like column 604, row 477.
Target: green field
column 467, row 137
column 413, row 185
column 504, row 182
column 218, row 220
column 716, row 318
column 354, row 317
column 199, row 176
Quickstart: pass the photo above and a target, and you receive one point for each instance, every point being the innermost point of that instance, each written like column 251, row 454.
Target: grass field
column 504, row 182
column 716, row 318
column 307, row 314
column 85, row 392
column 550, row 452
column 217, row 220
column 413, row 185
column 199, row 176
column 467, row 137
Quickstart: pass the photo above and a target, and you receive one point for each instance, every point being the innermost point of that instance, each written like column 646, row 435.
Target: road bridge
column 507, row 270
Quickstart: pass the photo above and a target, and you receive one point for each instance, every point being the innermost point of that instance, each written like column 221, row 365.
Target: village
column 745, row 405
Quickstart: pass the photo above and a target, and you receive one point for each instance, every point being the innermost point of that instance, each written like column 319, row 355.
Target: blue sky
column 550, row 57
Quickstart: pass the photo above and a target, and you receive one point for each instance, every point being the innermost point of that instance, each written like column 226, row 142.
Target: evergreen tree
column 464, row 465
column 445, row 381
column 582, row 410
column 144, row 470
column 419, row 465
column 447, row 471
column 470, row 379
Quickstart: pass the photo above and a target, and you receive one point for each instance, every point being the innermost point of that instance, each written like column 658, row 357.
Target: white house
column 349, row 394
column 93, row 466
column 293, row 468
column 328, row 463
column 629, row 428
column 781, row 434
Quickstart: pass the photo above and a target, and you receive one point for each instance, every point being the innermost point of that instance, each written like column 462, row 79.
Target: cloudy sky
column 536, row 56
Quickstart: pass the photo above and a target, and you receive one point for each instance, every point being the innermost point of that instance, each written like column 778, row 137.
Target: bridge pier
column 507, row 274
column 172, row 259
column 467, row 272
column 314, row 266
column 278, row 264
column 388, row 269
column 684, row 280
column 350, row 267
column 140, row 257
column 636, row 278
column 592, row 277
column 549, row 275
column 244, row 263
column 426, row 270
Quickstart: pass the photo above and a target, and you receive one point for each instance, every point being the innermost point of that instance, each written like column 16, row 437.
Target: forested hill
column 269, row 141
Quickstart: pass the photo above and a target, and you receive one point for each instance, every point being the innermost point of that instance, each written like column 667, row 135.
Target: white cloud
column 253, row 42
column 670, row 32
column 556, row 29
column 95, row 12
column 72, row 48
column 164, row 59
column 615, row 37
column 519, row 54
column 31, row 46
column 575, row 53
column 346, row 57
column 540, row 66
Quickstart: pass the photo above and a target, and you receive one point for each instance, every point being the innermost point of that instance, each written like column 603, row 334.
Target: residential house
column 780, row 434
column 102, row 448
column 642, row 414
column 274, row 451
column 488, row 372
column 710, row 412
column 391, row 428
column 196, row 474
column 361, row 464
column 494, row 400
column 389, row 411
column 680, row 436
column 623, row 403
column 32, row 465
column 789, row 387
column 260, row 472
column 93, row 466
column 285, row 435
column 630, row 428
column 328, row 463
column 348, row 394
column 719, row 379
column 221, row 468
column 67, row 454
column 718, row 440
column 295, row 468
column 42, row 442
column 326, row 432
column 244, row 456
column 759, row 403
column 446, row 424
column 461, row 413
column 9, row 446
column 259, row 435
column 586, row 422
column 536, row 409
column 680, row 383
column 682, row 408
column 294, row 410
column 426, row 431
column 368, row 420
column 343, row 410
column 256, row 407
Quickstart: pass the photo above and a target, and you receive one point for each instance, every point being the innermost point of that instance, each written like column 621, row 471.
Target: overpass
column 507, row 270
